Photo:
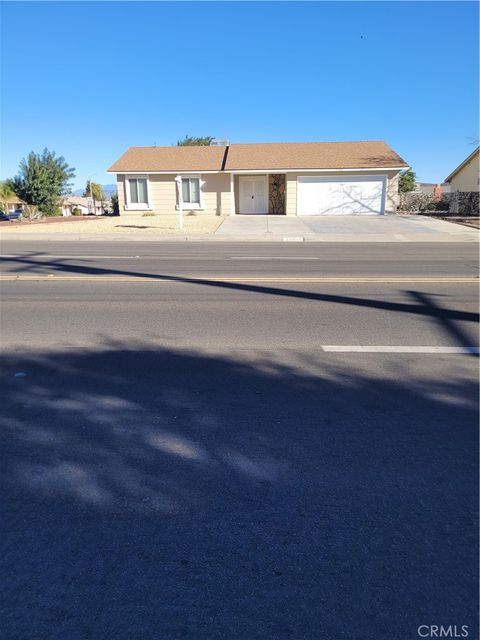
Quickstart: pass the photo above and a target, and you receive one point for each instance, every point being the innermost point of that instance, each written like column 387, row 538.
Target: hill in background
column 108, row 189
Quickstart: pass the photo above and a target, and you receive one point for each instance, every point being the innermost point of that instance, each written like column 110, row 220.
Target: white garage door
column 342, row 195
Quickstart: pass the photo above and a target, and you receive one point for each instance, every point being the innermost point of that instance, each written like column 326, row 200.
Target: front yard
column 126, row 224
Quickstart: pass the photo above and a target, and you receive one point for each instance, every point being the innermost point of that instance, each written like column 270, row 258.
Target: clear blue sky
column 90, row 79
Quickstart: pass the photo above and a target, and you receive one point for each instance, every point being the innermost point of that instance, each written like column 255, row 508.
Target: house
column 313, row 178
column 466, row 177
column 14, row 203
column 85, row 205
column 432, row 188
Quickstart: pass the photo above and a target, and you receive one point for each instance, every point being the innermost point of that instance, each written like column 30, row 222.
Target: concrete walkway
column 344, row 229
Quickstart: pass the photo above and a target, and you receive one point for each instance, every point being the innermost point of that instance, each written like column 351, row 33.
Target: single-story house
column 85, row 205
column 313, row 178
column 14, row 203
column 466, row 177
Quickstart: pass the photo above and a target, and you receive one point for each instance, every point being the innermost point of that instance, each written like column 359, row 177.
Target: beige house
column 84, row 205
column 315, row 178
column 12, row 204
column 466, row 177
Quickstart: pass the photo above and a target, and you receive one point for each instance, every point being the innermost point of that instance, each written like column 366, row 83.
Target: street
column 263, row 441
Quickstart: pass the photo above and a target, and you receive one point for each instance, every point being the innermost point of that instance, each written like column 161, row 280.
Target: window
column 191, row 191
column 137, row 193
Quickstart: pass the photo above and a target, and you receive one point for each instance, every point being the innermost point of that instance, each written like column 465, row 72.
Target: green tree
column 115, row 206
column 407, row 181
column 95, row 191
column 190, row 141
column 6, row 194
column 42, row 180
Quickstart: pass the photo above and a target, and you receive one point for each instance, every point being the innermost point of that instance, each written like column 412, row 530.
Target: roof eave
column 262, row 169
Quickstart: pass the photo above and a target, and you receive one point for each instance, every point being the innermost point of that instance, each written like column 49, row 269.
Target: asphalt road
column 254, row 258
column 186, row 457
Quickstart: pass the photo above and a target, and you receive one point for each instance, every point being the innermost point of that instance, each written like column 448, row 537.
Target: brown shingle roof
column 313, row 155
column 170, row 159
column 237, row 157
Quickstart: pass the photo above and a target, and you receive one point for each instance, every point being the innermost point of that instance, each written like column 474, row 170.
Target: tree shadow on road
column 452, row 322
column 159, row 493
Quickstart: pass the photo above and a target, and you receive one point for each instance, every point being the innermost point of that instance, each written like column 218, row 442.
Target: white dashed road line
column 337, row 348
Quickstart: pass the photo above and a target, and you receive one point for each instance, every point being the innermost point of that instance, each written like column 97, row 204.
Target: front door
column 253, row 194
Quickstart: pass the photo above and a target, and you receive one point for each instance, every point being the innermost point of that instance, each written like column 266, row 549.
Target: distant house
column 466, row 177
column 432, row 188
column 14, row 203
column 304, row 179
column 85, row 205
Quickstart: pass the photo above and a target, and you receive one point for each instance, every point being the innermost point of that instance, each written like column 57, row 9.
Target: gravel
column 126, row 224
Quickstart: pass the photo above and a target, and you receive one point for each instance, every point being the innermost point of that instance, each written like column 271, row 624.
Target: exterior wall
column 216, row 197
column 14, row 205
column 121, row 194
column 467, row 179
column 67, row 209
column 291, row 194
column 236, row 193
column 392, row 197
column 214, row 187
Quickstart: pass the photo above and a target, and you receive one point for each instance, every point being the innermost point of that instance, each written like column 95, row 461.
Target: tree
column 190, row 141
column 95, row 191
column 42, row 180
column 115, row 207
column 6, row 194
column 407, row 181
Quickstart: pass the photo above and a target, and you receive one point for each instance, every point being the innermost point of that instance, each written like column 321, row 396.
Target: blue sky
column 90, row 79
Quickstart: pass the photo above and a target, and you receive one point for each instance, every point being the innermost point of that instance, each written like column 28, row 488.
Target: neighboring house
column 314, row 178
column 13, row 204
column 84, row 204
column 432, row 188
column 466, row 177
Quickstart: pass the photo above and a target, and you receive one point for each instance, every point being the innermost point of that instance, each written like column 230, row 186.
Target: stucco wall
column 214, row 187
column 392, row 197
column 467, row 179
column 216, row 198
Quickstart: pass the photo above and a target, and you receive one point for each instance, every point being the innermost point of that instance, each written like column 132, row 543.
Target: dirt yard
column 155, row 225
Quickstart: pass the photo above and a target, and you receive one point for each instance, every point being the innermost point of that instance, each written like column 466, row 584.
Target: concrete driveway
column 345, row 229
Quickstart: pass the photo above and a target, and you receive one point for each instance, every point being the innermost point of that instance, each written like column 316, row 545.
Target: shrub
column 56, row 212
column 414, row 201
column 76, row 211
column 31, row 212
column 461, row 203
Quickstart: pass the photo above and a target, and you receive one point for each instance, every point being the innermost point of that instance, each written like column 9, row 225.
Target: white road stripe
column 273, row 258
column 397, row 349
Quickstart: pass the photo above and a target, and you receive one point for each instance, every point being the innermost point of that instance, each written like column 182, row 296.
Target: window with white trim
column 191, row 190
column 137, row 192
